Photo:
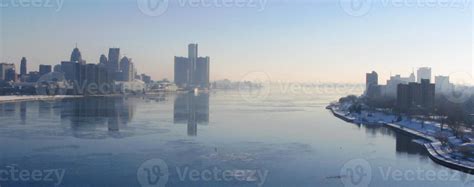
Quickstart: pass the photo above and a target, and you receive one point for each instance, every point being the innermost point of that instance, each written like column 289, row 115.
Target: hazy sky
column 296, row 40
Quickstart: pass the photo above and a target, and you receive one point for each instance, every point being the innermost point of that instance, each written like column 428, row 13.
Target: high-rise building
column 44, row 69
column 192, row 72
column 68, row 68
column 181, row 71
column 443, row 85
column 416, row 97
column 103, row 60
column 202, row 72
column 192, row 61
column 4, row 67
column 394, row 81
column 372, row 85
column 127, row 70
column 114, row 59
column 23, row 67
column 428, row 92
column 76, row 56
column 423, row 73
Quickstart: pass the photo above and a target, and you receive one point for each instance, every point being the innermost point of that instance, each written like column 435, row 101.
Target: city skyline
column 318, row 43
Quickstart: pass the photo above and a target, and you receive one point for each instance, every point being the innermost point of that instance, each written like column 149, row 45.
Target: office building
column 192, row 72
column 181, row 71
column 127, row 70
column 23, row 67
column 394, row 81
column 4, row 67
column 372, row 85
column 44, row 69
column 76, row 56
column 114, row 59
column 423, row 73
column 443, row 85
column 416, row 97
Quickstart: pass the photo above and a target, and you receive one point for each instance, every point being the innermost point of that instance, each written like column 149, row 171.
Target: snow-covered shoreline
column 427, row 130
column 16, row 98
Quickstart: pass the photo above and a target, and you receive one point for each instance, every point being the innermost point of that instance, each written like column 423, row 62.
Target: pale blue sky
column 296, row 40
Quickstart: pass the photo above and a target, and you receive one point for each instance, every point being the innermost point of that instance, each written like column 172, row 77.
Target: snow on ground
column 428, row 128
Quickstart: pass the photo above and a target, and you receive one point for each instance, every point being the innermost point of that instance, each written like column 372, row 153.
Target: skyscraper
column 103, row 60
column 202, row 72
column 76, row 56
column 127, row 70
column 181, row 71
column 192, row 58
column 416, row 97
column 23, row 67
column 372, row 84
column 114, row 58
column 423, row 73
column 192, row 72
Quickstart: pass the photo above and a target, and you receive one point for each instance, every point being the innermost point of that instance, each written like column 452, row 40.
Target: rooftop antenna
column 76, row 44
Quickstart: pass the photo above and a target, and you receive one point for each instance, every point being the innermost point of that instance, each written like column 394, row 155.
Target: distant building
column 103, row 60
column 10, row 75
column 145, row 78
column 423, row 73
column 33, row 76
column 127, row 70
column 416, row 97
column 202, row 72
column 114, row 59
column 45, row 69
column 372, row 85
column 181, row 71
column 428, row 91
column 443, row 85
column 57, row 68
column 23, row 67
column 192, row 72
column 394, row 81
column 69, row 70
column 4, row 67
column 76, row 56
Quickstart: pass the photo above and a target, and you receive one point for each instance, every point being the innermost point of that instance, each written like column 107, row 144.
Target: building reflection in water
column 91, row 113
column 192, row 110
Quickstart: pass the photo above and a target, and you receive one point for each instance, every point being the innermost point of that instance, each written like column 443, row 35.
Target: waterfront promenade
column 426, row 131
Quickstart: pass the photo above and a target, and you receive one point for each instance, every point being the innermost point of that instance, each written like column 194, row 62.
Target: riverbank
column 16, row 98
column 438, row 152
